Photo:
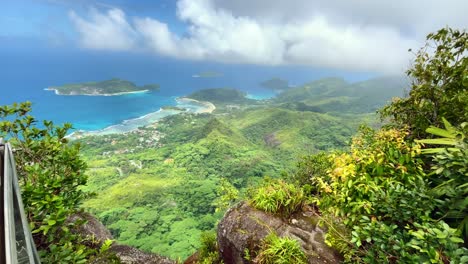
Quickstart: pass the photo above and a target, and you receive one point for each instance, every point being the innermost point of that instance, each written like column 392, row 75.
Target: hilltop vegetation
column 338, row 96
column 108, row 87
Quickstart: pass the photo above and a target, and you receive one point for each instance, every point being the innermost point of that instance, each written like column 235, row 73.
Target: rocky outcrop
column 126, row 254
column 243, row 228
column 91, row 227
column 131, row 255
column 271, row 140
column 193, row 259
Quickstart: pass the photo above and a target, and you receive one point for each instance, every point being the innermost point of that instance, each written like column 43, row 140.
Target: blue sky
column 47, row 20
column 362, row 35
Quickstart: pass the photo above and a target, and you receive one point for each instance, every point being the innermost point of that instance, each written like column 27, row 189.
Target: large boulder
column 94, row 229
column 243, row 228
column 131, row 255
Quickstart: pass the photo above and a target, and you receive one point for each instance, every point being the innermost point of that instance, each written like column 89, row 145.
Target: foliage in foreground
column 380, row 196
column 208, row 252
column 280, row 250
column 50, row 172
column 383, row 201
column 450, row 174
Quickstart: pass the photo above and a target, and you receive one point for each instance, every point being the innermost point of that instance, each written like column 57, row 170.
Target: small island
column 207, row 74
column 110, row 87
column 276, row 84
column 220, row 96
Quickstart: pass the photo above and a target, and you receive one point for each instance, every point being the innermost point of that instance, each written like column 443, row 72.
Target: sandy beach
column 208, row 107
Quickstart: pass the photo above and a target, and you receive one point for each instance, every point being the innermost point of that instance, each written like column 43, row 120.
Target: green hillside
column 338, row 96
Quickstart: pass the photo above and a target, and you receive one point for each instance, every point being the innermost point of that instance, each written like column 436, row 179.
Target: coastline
column 189, row 105
column 113, row 94
column 209, row 107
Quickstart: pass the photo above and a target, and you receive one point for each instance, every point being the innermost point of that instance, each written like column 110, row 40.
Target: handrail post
column 2, row 213
column 18, row 243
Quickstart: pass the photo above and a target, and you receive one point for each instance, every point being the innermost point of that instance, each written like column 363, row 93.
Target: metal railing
column 16, row 242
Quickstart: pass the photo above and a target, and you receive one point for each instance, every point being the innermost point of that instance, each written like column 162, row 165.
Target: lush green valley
column 161, row 186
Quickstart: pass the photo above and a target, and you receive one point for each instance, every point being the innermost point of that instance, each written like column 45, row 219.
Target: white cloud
column 366, row 37
column 108, row 30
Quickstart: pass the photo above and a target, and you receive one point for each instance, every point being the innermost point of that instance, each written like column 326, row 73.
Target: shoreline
column 129, row 125
column 113, row 94
column 209, row 106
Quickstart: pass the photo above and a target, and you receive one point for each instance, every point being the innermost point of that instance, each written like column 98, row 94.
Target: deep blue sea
column 24, row 74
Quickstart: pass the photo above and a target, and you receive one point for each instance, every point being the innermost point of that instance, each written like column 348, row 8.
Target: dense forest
column 390, row 191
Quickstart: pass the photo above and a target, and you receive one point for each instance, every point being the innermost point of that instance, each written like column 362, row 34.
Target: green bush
column 380, row 194
column 382, row 201
column 312, row 169
column 276, row 250
column 208, row 252
column 449, row 174
column 278, row 197
column 439, row 85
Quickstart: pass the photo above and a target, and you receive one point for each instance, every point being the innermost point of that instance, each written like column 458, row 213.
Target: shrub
column 50, row 172
column 439, row 85
column 278, row 197
column 449, row 174
column 208, row 252
column 276, row 250
column 380, row 193
column 311, row 169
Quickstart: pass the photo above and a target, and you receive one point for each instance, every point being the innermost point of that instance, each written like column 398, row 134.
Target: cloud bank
column 354, row 35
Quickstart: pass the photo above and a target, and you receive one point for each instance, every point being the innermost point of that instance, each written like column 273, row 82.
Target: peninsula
column 110, row 87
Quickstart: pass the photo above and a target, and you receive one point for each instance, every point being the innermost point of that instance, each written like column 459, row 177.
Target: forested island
column 207, row 74
column 110, row 87
column 276, row 84
column 221, row 95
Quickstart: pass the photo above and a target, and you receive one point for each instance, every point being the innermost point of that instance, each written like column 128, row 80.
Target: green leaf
column 441, row 132
column 456, row 240
column 439, row 141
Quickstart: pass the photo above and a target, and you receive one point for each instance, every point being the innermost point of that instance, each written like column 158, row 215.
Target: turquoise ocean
column 24, row 74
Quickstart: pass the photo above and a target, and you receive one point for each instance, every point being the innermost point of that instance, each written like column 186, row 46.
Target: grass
column 279, row 197
column 277, row 250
